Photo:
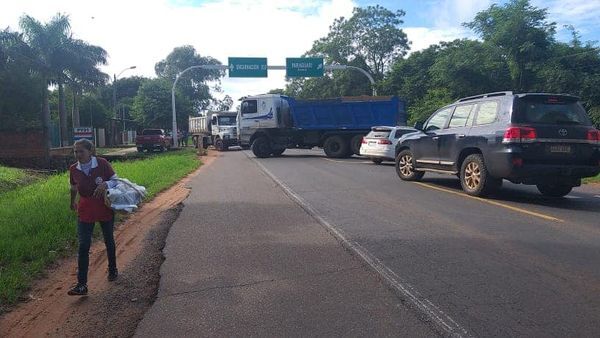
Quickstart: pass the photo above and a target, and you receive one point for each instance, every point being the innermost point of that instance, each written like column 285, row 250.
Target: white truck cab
column 215, row 128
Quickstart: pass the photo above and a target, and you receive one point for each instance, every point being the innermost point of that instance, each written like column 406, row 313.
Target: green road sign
column 304, row 67
column 247, row 67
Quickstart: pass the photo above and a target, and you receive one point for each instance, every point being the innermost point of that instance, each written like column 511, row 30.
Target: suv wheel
column 554, row 190
column 405, row 167
column 474, row 177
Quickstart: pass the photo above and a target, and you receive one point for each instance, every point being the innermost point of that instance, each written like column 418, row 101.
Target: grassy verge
column 38, row 227
column 592, row 179
column 12, row 178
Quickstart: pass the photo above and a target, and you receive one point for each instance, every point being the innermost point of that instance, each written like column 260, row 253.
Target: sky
column 141, row 33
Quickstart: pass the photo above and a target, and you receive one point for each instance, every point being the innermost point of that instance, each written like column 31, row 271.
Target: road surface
column 515, row 264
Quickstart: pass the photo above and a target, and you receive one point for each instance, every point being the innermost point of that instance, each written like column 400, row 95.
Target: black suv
column 541, row 139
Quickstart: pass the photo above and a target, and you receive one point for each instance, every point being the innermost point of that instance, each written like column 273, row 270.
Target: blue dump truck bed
column 351, row 113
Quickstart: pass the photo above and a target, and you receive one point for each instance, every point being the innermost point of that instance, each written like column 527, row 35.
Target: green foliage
column 432, row 101
column 152, row 105
column 11, row 178
column 33, row 237
column 370, row 39
column 522, row 34
column 193, row 84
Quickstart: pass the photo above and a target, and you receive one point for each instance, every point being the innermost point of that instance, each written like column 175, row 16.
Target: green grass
column 592, row 179
column 37, row 225
column 12, row 178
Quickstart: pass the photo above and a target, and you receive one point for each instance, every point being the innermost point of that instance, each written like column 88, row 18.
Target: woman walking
column 90, row 177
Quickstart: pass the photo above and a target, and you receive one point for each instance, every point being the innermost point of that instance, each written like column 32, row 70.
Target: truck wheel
column 474, row 177
column 205, row 142
column 278, row 152
column 355, row 143
column 219, row 145
column 336, row 147
column 554, row 190
column 195, row 141
column 261, row 147
column 405, row 167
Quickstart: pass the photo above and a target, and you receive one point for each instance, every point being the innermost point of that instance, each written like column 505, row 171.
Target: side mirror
column 419, row 125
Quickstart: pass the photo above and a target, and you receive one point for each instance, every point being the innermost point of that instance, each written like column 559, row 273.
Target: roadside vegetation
column 592, row 179
column 38, row 227
column 12, row 178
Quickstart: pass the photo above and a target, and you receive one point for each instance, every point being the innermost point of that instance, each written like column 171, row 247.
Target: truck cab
column 215, row 128
column 262, row 112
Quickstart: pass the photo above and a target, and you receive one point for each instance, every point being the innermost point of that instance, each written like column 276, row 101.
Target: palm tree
column 82, row 72
column 49, row 43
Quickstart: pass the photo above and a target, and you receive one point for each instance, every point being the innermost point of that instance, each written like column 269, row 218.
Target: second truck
column 271, row 123
column 214, row 128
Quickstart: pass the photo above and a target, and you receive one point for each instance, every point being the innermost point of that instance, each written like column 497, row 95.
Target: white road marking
column 435, row 314
column 351, row 162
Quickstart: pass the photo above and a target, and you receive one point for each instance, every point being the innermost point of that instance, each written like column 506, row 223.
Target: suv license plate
column 560, row 148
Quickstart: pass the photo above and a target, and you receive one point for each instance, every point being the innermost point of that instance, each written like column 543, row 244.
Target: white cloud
column 452, row 13
column 423, row 37
column 584, row 15
column 141, row 33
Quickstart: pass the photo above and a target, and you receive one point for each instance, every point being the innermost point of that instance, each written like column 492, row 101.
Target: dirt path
column 51, row 312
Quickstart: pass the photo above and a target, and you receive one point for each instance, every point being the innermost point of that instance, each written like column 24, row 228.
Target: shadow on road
column 525, row 195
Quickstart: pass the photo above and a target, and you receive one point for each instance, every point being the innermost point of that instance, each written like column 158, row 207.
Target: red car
column 153, row 139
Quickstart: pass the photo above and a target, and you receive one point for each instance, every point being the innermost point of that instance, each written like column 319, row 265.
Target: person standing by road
column 89, row 178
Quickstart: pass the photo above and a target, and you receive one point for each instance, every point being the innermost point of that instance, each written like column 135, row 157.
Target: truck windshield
column 550, row 110
column 152, row 132
column 226, row 120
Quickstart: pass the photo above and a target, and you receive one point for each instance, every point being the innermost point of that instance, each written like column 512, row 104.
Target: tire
column 355, row 143
column 261, row 147
column 554, row 190
column 377, row 161
column 336, row 147
column 278, row 152
column 219, row 145
column 405, row 167
column 474, row 177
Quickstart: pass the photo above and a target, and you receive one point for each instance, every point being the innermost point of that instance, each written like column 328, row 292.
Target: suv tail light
column 384, row 142
column 593, row 136
column 363, row 141
column 519, row 135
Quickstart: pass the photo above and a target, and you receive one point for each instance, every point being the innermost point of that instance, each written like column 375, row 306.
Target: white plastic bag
column 125, row 196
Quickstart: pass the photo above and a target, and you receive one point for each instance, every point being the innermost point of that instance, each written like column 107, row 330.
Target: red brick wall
column 22, row 144
column 24, row 149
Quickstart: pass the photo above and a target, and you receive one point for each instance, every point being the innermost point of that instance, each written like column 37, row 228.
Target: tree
column 193, row 83
column 82, row 72
column 20, row 89
column 432, row 101
column 370, row 39
column 468, row 67
column 47, row 42
column 522, row 35
column 223, row 105
column 152, row 105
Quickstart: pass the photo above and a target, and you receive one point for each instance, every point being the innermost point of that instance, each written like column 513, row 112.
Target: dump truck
column 214, row 128
column 270, row 123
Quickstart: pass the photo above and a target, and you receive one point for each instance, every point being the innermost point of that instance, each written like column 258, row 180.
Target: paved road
column 516, row 264
column 243, row 259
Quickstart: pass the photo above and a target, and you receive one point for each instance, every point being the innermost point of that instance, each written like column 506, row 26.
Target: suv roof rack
column 482, row 96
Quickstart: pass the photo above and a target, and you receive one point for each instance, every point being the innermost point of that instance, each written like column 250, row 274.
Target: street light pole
column 115, row 76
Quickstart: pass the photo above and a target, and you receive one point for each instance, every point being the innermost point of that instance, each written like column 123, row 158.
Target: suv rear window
column 379, row 134
column 550, row 110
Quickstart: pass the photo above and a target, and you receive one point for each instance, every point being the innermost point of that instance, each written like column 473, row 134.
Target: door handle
column 461, row 135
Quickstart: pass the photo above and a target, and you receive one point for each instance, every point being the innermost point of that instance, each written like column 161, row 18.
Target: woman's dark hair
column 87, row 144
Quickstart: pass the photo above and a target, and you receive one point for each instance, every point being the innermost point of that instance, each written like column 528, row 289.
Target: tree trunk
column 46, row 118
column 75, row 110
column 62, row 115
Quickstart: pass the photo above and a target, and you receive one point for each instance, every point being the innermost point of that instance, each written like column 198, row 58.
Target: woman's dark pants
column 85, row 231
